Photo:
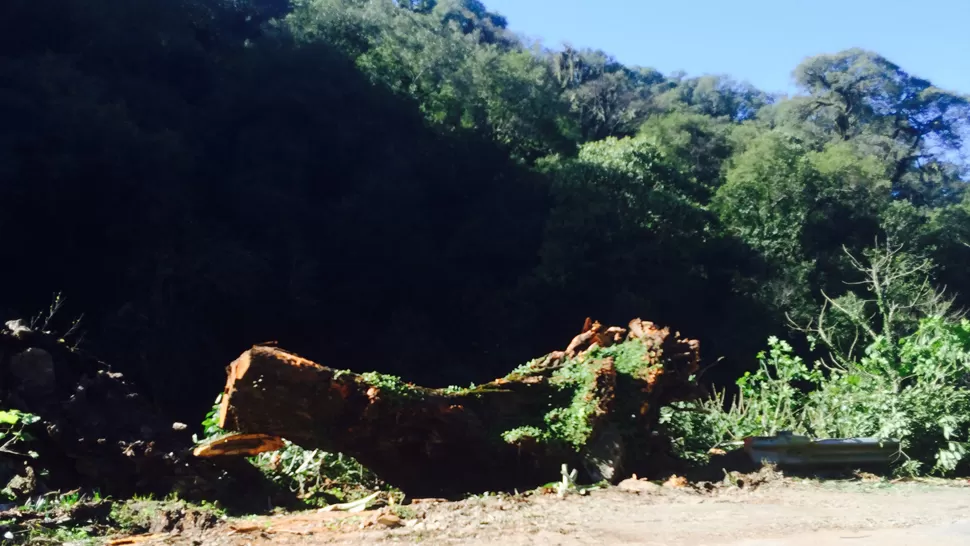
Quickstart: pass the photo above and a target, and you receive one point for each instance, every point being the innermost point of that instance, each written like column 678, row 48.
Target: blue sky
column 760, row 41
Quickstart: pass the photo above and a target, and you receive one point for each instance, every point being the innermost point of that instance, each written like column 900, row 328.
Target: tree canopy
column 200, row 175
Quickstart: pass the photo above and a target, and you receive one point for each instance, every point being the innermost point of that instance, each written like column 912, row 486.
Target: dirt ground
column 779, row 512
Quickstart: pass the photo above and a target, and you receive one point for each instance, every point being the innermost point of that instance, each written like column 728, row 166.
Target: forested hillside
column 411, row 188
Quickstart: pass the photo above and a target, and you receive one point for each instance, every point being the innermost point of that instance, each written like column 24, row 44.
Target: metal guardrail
column 787, row 449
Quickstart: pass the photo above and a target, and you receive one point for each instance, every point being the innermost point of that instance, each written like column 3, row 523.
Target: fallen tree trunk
column 592, row 407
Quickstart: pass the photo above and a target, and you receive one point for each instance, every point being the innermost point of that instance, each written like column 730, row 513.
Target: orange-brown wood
column 239, row 445
column 434, row 442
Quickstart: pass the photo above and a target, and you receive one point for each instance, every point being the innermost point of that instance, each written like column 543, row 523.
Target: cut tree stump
column 593, row 407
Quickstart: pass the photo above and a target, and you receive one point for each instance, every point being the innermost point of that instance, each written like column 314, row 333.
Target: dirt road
column 946, row 534
column 783, row 513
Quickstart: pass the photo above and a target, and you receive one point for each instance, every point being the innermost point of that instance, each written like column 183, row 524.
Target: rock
column 90, row 511
column 17, row 327
column 85, row 427
column 24, row 484
column 639, row 486
column 676, row 482
column 245, row 527
column 389, row 520
column 34, row 368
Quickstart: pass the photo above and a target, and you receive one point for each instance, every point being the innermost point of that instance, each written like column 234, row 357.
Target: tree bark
column 590, row 407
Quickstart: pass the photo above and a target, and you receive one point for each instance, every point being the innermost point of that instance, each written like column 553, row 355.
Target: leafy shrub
column 768, row 401
column 922, row 399
column 15, row 441
column 12, row 430
column 317, row 476
column 910, row 382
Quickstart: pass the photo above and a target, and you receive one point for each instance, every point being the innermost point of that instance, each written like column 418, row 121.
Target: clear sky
column 759, row 41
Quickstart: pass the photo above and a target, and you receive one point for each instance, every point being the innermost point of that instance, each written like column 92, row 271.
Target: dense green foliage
column 408, row 187
column 904, row 374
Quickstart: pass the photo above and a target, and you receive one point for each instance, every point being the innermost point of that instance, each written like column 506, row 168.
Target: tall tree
column 797, row 208
column 716, row 96
column 472, row 17
column 700, row 143
column 607, row 98
column 420, row 6
column 913, row 125
column 455, row 60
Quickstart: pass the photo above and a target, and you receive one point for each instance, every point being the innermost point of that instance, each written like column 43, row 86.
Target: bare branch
column 858, row 321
